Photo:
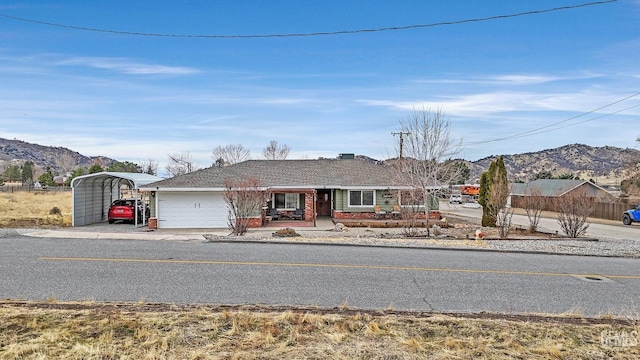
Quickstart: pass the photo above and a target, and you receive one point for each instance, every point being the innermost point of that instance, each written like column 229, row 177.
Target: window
column 286, row 201
column 361, row 198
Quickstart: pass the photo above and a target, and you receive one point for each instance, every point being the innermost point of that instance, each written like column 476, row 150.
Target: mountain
column 607, row 165
column 58, row 158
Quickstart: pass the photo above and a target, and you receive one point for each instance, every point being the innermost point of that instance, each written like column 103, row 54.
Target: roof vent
column 346, row 156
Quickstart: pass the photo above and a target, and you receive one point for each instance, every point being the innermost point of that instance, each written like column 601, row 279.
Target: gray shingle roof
column 290, row 173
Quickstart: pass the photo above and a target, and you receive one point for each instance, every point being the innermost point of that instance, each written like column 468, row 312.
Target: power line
column 553, row 126
column 322, row 33
column 587, row 120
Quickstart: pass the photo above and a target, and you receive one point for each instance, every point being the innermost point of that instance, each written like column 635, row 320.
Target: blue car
column 631, row 216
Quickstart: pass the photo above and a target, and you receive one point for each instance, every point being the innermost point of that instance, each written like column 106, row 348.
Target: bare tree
column 149, row 166
column 275, row 151
column 229, row 154
column 425, row 149
column 533, row 204
column 180, row 164
column 573, row 212
column 411, row 212
column 245, row 199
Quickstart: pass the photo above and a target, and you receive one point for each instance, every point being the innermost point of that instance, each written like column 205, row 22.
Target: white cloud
column 127, row 66
column 495, row 103
column 467, row 105
column 525, row 79
column 510, row 79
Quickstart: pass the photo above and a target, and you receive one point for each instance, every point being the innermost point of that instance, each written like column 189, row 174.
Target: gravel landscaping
column 451, row 238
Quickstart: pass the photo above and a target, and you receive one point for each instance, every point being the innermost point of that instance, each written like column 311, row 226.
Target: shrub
column 286, row 232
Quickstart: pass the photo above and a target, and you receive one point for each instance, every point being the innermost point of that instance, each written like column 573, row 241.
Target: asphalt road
column 600, row 229
column 315, row 275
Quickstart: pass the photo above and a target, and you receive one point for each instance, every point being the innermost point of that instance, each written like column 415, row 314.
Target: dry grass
column 137, row 331
column 33, row 209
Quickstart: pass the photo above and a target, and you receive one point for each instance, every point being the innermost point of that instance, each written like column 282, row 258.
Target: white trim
column 277, row 187
column 374, row 187
column 168, row 189
column 301, row 187
column 273, row 201
column 361, row 198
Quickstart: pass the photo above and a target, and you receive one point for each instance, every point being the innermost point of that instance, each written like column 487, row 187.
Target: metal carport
column 92, row 194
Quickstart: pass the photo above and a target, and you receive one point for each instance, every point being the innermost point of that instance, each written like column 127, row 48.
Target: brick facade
column 339, row 215
column 255, row 222
column 308, row 207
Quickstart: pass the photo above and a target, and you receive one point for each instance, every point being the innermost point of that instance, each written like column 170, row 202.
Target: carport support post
column 144, row 212
column 135, row 212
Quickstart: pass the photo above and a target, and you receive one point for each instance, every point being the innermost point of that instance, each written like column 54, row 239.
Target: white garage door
column 191, row 210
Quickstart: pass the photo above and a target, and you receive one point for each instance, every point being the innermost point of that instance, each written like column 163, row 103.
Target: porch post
column 314, row 201
column 309, row 206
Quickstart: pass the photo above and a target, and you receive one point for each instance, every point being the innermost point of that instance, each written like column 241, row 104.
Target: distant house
column 343, row 188
column 552, row 189
column 559, row 187
column 60, row 180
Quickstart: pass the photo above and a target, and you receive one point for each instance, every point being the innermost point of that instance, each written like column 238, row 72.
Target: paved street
column 327, row 276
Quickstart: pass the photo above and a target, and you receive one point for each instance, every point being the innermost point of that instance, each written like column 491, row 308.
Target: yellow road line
column 339, row 266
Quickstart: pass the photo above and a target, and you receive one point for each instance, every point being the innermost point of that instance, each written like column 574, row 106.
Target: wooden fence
column 612, row 210
column 31, row 188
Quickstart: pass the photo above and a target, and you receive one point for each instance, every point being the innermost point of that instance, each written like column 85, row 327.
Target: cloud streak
column 511, row 79
column 127, row 66
column 499, row 102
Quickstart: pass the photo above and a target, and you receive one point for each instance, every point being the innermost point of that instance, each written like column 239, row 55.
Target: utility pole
column 400, row 133
column 400, row 164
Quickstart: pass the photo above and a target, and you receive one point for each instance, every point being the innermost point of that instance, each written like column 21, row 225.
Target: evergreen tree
column 46, row 179
column 483, row 196
column 95, row 168
column 27, row 173
column 568, row 176
column 13, row 173
column 75, row 173
column 461, row 170
column 497, row 170
column 543, row 174
column 124, row 166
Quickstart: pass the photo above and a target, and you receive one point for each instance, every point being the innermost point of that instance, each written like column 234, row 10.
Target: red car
column 125, row 210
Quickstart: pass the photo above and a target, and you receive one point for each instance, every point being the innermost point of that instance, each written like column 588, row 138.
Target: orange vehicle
column 471, row 190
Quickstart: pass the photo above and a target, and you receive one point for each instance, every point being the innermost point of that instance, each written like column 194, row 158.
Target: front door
column 323, row 204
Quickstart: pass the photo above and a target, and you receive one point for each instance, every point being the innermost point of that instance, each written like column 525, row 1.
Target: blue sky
column 134, row 97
